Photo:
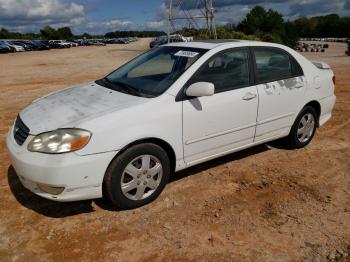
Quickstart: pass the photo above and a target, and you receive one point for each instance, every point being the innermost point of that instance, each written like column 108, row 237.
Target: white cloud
column 155, row 25
column 21, row 12
column 316, row 7
column 101, row 27
column 31, row 15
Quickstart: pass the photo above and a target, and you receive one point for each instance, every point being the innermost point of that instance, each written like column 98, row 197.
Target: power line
column 206, row 13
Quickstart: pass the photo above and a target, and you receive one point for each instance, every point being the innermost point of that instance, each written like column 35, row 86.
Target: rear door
column 215, row 125
column 281, row 87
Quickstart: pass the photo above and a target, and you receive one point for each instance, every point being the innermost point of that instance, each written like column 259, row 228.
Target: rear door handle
column 299, row 86
column 249, row 96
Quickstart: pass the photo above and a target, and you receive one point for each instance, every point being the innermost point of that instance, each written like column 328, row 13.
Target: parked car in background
column 81, row 42
column 16, row 48
column 123, row 41
column 19, row 45
column 162, row 40
column 40, row 45
column 10, row 47
column 95, row 42
column 29, row 43
column 304, row 47
column 59, row 44
column 24, row 45
column 133, row 39
column 110, row 41
column 56, row 45
column 166, row 110
column 46, row 43
column 66, row 43
column 72, row 43
column 5, row 48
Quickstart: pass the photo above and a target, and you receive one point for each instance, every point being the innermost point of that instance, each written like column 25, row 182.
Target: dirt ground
column 262, row 204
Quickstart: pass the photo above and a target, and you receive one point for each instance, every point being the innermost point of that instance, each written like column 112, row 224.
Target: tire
column 141, row 167
column 295, row 138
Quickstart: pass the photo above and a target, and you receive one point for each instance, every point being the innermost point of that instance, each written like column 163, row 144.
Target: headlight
column 59, row 141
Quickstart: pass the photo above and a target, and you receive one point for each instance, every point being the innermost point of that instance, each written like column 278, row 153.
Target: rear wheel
column 303, row 129
column 137, row 176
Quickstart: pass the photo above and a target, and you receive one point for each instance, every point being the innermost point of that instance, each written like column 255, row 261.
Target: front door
column 218, row 124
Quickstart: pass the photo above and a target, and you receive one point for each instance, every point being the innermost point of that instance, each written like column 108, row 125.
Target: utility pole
column 205, row 8
column 210, row 19
column 170, row 19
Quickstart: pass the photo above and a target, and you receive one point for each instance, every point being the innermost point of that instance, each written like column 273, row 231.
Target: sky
column 101, row 16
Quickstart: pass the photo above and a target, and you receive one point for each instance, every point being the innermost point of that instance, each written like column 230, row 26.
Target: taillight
column 333, row 79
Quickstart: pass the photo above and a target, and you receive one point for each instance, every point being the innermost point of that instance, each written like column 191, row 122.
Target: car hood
column 69, row 107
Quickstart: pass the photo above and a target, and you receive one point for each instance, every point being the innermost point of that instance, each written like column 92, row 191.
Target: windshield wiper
column 130, row 89
column 125, row 87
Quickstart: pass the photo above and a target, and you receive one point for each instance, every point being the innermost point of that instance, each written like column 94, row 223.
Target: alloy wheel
column 141, row 177
column 306, row 128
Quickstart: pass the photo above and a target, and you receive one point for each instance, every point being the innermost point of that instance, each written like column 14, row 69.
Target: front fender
column 160, row 118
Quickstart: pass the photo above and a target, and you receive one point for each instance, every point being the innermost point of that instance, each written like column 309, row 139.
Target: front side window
column 227, row 70
column 153, row 72
column 272, row 64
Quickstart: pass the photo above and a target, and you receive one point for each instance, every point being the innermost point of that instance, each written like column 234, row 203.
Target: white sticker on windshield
column 185, row 53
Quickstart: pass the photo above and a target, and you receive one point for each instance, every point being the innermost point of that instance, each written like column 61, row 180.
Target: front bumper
column 81, row 176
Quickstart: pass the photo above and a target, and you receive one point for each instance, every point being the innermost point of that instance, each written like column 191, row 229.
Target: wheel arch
column 317, row 106
column 157, row 141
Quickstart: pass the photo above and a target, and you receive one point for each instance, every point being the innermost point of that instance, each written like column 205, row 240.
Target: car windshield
column 152, row 73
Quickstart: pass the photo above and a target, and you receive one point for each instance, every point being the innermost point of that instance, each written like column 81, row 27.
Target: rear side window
column 227, row 70
column 273, row 64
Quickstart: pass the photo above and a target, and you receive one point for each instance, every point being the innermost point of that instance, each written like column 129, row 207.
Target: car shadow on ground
column 218, row 162
column 59, row 210
column 44, row 206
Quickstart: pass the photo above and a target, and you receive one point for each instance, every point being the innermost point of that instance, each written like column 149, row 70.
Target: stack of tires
column 348, row 51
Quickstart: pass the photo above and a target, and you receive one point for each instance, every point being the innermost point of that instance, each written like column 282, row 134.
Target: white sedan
column 166, row 110
column 17, row 48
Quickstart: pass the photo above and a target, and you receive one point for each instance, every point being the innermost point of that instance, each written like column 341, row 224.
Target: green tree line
column 49, row 33
column 323, row 26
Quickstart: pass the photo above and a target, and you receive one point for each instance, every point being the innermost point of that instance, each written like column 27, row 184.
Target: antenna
column 202, row 10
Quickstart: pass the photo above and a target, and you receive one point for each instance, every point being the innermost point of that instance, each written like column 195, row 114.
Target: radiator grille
column 20, row 132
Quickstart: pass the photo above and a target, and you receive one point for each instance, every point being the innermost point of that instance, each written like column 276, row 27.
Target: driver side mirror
column 200, row 89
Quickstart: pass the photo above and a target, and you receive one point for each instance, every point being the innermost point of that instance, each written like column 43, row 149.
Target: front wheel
column 303, row 129
column 137, row 176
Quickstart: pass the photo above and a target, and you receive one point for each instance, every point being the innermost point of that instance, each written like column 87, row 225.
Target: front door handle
column 249, row 96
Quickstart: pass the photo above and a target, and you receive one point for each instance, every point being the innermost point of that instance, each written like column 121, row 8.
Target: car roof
column 211, row 44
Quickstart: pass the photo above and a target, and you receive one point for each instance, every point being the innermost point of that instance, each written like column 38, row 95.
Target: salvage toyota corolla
column 168, row 109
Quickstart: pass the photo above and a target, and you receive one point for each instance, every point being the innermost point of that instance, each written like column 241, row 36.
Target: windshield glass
column 153, row 72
